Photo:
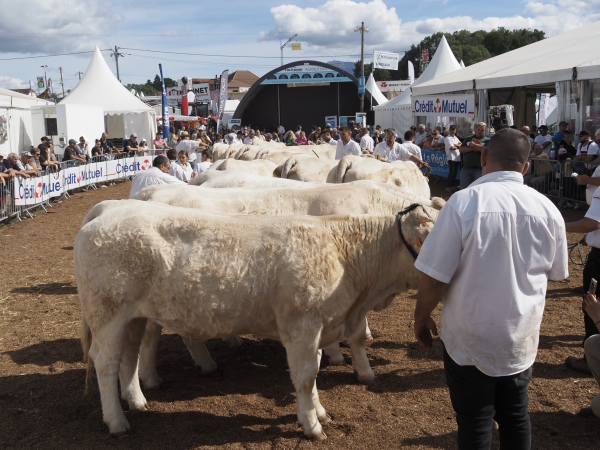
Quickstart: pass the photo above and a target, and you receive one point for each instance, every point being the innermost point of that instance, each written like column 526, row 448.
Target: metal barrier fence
column 20, row 197
column 558, row 180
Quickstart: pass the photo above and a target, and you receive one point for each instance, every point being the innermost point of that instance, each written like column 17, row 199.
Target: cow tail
column 86, row 344
column 288, row 166
column 343, row 166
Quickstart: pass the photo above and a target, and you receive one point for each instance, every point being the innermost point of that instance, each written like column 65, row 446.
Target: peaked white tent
column 397, row 113
column 125, row 113
column 376, row 94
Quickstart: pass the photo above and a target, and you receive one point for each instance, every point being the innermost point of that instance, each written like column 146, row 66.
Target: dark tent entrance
column 300, row 93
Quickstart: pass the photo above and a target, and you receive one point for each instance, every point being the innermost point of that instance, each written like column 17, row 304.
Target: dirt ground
column 250, row 402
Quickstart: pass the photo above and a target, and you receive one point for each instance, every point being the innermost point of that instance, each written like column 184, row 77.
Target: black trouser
column 452, row 172
column 591, row 270
column 479, row 399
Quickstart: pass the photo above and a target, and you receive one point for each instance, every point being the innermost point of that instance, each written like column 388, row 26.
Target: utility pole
column 362, row 30
column 62, row 82
column 45, row 77
column 283, row 46
column 116, row 54
column 79, row 73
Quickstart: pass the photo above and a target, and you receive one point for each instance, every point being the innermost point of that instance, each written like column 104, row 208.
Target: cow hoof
column 208, row 370
column 372, row 382
column 151, row 385
column 121, row 433
column 318, row 437
column 325, row 419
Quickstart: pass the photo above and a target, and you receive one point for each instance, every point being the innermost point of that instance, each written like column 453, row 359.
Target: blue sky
column 244, row 31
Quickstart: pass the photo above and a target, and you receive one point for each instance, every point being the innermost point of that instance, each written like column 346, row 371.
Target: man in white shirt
column 420, row 136
column 251, row 138
column 366, row 141
column 410, row 146
column 346, row 146
column 280, row 131
column 158, row 174
column 587, row 150
column 452, row 145
column 488, row 258
column 327, row 138
column 239, row 139
column 391, row 151
column 205, row 161
column 544, row 140
column 189, row 146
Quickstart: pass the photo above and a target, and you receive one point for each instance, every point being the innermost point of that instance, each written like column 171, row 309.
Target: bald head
column 507, row 150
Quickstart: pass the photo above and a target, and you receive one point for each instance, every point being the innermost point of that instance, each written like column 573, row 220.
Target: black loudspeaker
column 51, row 127
column 371, row 118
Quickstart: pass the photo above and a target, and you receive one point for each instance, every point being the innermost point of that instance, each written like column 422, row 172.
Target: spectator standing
column 172, row 140
column 158, row 174
column 335, row 134
column 346, row 146
column 72, row 155
column 259, row 135
column 544, row 140
column 471, row 150
column 526, row 132
column 490, row 330
column 592, row 351
column 35, row 159
column 107, row 144
column 327, row 139
column 383, row 150
column 280, row 131
column 131, row 146
column 316, row 138
column 51, row 165
column 239, row 139
column 420, row 136
column 24, row 164
column 301, row 139
column 205, row 161
column 181, row 169
column 452, row 146
column 587, row 150
column 189, row 147
column 143, row 148
column 159, row 142
column 366, row 141
column 559, row 135
column 251, row 138
column 84, row 149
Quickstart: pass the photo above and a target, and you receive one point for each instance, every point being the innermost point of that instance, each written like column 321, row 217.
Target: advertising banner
column 385, row 60
column 459, row 105
column 40, row 82
column 361, row 85
column 222, row 97
column 306, row 73
column 31, row 191
column 297, row 46
column 3, row 128
column 201, row 92
column 397, row 85
column 143, row 163
column 165, row 107
column 331, row 121
column 438, row 162
column 71, row 178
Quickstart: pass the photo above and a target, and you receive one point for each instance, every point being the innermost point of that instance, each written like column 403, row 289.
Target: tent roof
column 372, row 87
column 545, row 61
column 442, row 63
column 99, row 87
column 34, row 100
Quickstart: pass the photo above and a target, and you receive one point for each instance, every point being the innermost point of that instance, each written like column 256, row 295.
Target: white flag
column 411, row 72
column 385, row 60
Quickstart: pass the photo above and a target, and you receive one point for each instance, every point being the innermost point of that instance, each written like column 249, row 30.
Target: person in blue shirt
column 559, row 136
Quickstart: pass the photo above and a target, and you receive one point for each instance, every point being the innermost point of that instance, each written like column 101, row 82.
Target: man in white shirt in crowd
column 587, row 150
column 251, row 138
column 366, row 141
column 420, row 136
column 280, row 132
column 544, row 140
column 158, row 174
column 189, row 146
column 526, row 131
column 346, row 146
column 489, row 257
column 388, row 147
column 239, row 139
column 327, row 138
column 452, row 145
column 410, row 146
column 205, row 161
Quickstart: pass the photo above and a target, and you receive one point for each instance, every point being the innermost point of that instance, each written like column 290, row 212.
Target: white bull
column 260, row 167
column 403, row 174
column 231, row 178
column 307, row 281
column 307, row 169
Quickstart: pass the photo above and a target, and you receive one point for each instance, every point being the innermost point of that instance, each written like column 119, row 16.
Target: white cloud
column 329, row 27
column 52, row 26
column 12, row 83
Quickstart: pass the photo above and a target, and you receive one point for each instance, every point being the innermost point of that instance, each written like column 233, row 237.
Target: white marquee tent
column 16, row 128
column 125, row 113
column 397, row 113
column 560, row 64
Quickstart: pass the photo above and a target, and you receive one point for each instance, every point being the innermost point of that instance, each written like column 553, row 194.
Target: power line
column 48, row 56
column 236, row 56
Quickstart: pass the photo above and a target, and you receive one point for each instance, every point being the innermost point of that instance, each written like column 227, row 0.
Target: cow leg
column 201, row 355
column 147, row 364
column 360, row 361
column 303, row 360
column 334, row 354
column 107, row 357
column 128, row 373
column 368, row 335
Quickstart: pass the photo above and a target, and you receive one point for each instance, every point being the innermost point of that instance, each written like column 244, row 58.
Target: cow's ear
column 419, row 243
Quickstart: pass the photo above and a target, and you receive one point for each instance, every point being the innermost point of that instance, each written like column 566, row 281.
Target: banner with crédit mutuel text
column 451, row 105
column 33, row 191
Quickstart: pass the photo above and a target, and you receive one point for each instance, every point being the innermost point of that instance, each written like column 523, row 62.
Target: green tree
column 145, row 89
column 380, row 74
column 170, row 83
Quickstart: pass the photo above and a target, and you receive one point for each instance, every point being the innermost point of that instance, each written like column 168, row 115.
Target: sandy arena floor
column 250, row 403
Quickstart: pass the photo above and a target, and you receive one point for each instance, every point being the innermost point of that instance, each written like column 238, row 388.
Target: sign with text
column 297, row 46
column 425, row 55
column 385, row 60
column 305, row 73
column 438, row 162
column 390, row 86
column 331, row 121
column 201, row 91
column 459, row 105
column 361, row 85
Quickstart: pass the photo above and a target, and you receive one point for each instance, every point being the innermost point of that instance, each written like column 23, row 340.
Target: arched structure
column 301, row 93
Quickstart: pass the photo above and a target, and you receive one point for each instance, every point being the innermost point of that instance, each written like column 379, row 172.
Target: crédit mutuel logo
column 438, row 106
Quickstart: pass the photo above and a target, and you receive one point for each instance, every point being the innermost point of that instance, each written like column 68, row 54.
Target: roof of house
column 241, row 78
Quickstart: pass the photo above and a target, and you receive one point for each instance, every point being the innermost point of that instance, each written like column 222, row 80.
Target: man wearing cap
column 452, row 145
column 544, row 140
column 131, row 145
column 189, row 146
column 587, row 150
column 559, row 135
column 238, row 139
column 346, row 146
column 72, row 155
column 15, row 167
column 471, row 155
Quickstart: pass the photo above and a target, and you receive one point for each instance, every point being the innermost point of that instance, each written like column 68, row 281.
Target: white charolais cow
column 308, row 169
column 232, row 178
column 307, row 281
column 403, row 174
column 260, row 167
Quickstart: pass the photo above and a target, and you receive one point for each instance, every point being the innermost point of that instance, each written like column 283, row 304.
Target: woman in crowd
column 143, row 149
column 290, row 138
column 172, row 141
column 35, row 159
column 301, row 139
column 159, row 144
column 180, row 169
column 47, row 161
column 98, row 151
column 83, row 148
column 205, row 141
column 219, row 139
column 259, row 135
column 429, row 141
column 316, row 138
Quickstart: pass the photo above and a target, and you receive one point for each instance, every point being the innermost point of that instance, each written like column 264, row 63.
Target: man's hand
column 591, row 305
column 583, row 179
column 423, row 330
